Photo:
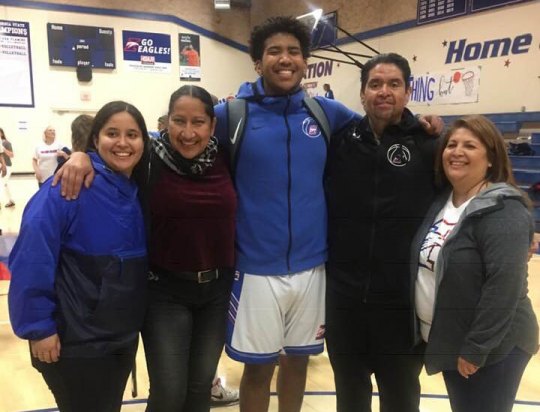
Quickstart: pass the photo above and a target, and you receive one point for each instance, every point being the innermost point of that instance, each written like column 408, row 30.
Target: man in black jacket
column 379, row 187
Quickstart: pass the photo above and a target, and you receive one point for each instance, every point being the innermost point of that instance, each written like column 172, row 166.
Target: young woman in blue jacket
column 79, row 272
column 189, row 202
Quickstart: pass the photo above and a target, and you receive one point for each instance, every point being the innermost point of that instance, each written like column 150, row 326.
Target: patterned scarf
column 179, row 164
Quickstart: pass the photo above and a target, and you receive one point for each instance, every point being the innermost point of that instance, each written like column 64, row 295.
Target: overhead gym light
column 222, row 4
column 311, row 19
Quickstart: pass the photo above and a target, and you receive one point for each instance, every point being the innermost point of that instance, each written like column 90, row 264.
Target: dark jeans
column 183, row 336
column 365, row 339
column 88, row 384
column 492, row 388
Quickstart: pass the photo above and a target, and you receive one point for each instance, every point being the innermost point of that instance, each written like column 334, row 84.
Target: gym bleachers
column 511, row 125
column 526, row 171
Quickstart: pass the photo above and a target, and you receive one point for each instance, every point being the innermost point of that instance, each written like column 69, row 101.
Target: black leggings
column 87, row 384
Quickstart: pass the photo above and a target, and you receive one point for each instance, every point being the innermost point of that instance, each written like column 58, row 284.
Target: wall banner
column 16, row 87
column 190, row 57
column 455, row 86
column 147, row 52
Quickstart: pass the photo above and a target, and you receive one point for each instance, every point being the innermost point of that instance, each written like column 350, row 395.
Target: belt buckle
column 200, row 278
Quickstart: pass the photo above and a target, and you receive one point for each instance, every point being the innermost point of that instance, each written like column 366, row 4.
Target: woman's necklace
column 459, row 198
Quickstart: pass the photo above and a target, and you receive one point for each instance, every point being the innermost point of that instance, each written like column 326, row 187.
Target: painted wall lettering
column 459, row 50
column 320, row 69
column 453, row 86
column 422, row 88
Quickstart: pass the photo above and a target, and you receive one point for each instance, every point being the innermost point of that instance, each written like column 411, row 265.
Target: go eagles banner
column 147, row 52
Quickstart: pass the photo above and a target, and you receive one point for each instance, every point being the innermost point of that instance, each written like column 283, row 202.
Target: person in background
column 222, row 395
column 80, row 130
column 4, row 181
column 162, row 122
column 46, row 156
column 379, row 185
column 161, row 126
column 79, row 272
column 219, row 394
column 470, row 277
column 80, row 127
column 3, row 170
column 189, row 204
column 328, row 93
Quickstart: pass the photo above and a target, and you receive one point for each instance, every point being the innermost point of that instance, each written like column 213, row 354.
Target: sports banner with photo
column 147, row 52
column 190, row 57
column 16, row 88
column 455, row 86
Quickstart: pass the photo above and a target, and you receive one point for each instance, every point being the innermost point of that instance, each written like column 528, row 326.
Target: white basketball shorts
column 273, row 315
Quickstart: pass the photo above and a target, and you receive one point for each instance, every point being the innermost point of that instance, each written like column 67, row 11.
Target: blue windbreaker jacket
column 281, row 219
column 79, row 267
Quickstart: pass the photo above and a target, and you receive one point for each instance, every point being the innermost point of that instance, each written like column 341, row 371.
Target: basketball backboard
column 324, row 29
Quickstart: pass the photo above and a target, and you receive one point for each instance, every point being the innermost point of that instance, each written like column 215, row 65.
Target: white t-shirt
column 443, row 225
column 47, row 159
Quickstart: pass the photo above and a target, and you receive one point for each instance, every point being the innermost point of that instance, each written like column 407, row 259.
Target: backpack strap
column 236, row 115
column 315, row 109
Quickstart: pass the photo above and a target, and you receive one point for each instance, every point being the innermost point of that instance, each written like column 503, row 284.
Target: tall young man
column 277, row 305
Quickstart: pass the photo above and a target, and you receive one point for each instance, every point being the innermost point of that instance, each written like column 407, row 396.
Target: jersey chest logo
column 311, row 128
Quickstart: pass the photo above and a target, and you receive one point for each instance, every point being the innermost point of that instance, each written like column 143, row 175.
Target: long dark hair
column 105, row 113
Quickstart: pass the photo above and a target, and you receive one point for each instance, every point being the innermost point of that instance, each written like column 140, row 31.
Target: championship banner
column 147, row 52
column 190, row 57
column 456, row 86
column 16, row 88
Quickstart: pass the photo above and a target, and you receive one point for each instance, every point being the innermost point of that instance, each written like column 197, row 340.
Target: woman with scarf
column 189, row 204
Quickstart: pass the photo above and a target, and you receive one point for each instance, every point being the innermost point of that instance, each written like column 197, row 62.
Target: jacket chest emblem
column 311, row 128
column 398, row 155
